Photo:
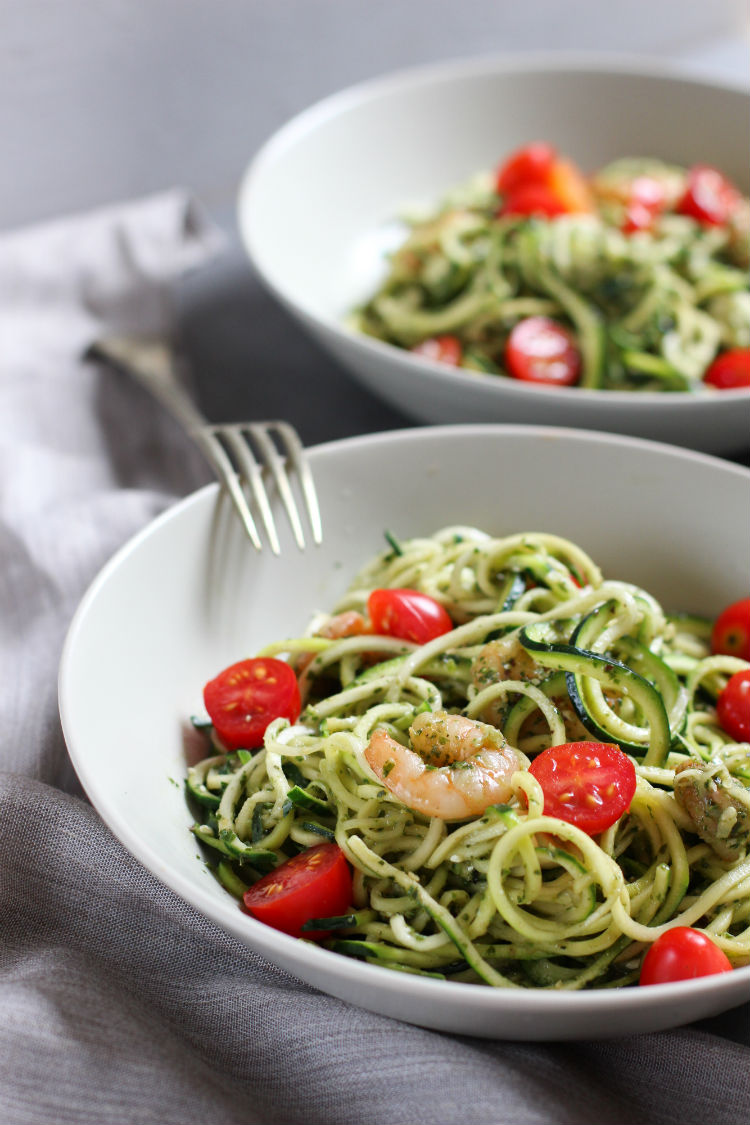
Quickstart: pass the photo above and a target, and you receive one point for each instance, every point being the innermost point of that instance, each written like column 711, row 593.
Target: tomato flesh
column 730, row 370
column 570, row 187
column 408, row 615
column 442, row 349
column 317, row 883
column 709, row 197
column 533, row 199
column 646, row 199
column 536, row 181
column 637, row 217
column 733, row 706
column 683, row 953
column 587, row 784
column 648, row 191
column 539, row 350
column 243, row 699
column 530, row 164
column 730, row 635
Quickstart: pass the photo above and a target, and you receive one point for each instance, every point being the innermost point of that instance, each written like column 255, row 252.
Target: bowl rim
column 406, row 78
column 288, row 951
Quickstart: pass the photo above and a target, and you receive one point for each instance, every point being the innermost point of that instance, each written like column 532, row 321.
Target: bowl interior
column 365, row 154
column 189, row 596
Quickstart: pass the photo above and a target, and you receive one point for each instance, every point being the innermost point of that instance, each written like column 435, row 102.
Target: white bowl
column 315, row 205
column 189, row 596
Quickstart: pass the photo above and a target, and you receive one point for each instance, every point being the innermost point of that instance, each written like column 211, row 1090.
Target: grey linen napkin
column 118, row 1002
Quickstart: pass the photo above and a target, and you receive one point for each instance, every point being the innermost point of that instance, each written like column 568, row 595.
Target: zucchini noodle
column 544, row 650
column 648, row 310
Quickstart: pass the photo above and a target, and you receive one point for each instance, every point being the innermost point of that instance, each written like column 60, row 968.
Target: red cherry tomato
column 588, row 784
column 709, row 196
column 733, row 706
column 637, row 217
column 730, row 635
column 530, row 164
column 409, row 615
column 243, row 699
column 317, row 883
column 682, row 953
column 730, row 370
column 568, row 183
column 540, row 350
column 443, row 349
column 536, row 181
column 646, row 199
column 533, row 199
column 648, row 191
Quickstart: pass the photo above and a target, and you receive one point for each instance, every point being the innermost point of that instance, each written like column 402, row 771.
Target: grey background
column 109, row 99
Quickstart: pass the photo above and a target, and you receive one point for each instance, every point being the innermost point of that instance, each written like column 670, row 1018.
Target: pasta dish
column 489, row 763
column 635, row 278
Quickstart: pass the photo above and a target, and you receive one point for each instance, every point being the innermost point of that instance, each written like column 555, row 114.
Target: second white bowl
column 316, row 202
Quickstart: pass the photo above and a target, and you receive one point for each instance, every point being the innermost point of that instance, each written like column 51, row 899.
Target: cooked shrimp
column 718, row 805
column 503, row 659
column 347, row 624
column 455, row 768
column 507, row 659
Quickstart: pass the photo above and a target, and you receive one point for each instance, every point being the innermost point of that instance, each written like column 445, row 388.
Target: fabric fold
column 86, row 457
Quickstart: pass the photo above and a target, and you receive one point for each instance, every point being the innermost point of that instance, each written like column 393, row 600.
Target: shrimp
column 503, row 659
column 717, row 804
column 347, row 624
column 507, row 659
column 455, row 768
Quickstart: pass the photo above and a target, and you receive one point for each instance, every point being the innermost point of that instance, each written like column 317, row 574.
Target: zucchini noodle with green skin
column 544, row 651
column 648, row 310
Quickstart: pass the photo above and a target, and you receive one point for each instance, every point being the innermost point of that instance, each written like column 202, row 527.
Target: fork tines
column 248, row 455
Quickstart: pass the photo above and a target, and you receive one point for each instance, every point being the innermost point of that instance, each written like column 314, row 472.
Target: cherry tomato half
column 646, row 199
column 637, row 217
column 733, row 706
column 730, row 370
column 540, row 350
column 530, row 164
column 709, row 196
column 443, row 349
column 243, row 699
column 682, row 953
column 588, row 784
column 730, row 635
column 569, row 184
column 408, row 614
column 532, row 199
column 317, row 883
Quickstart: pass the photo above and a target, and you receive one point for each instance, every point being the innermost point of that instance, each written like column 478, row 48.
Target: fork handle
column 151, row 363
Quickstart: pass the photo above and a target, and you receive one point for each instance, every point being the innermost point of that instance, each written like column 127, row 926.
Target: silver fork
column 238, row 452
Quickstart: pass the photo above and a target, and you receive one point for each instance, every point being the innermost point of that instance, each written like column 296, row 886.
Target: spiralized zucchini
column 649, row 310
column 511, row 897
